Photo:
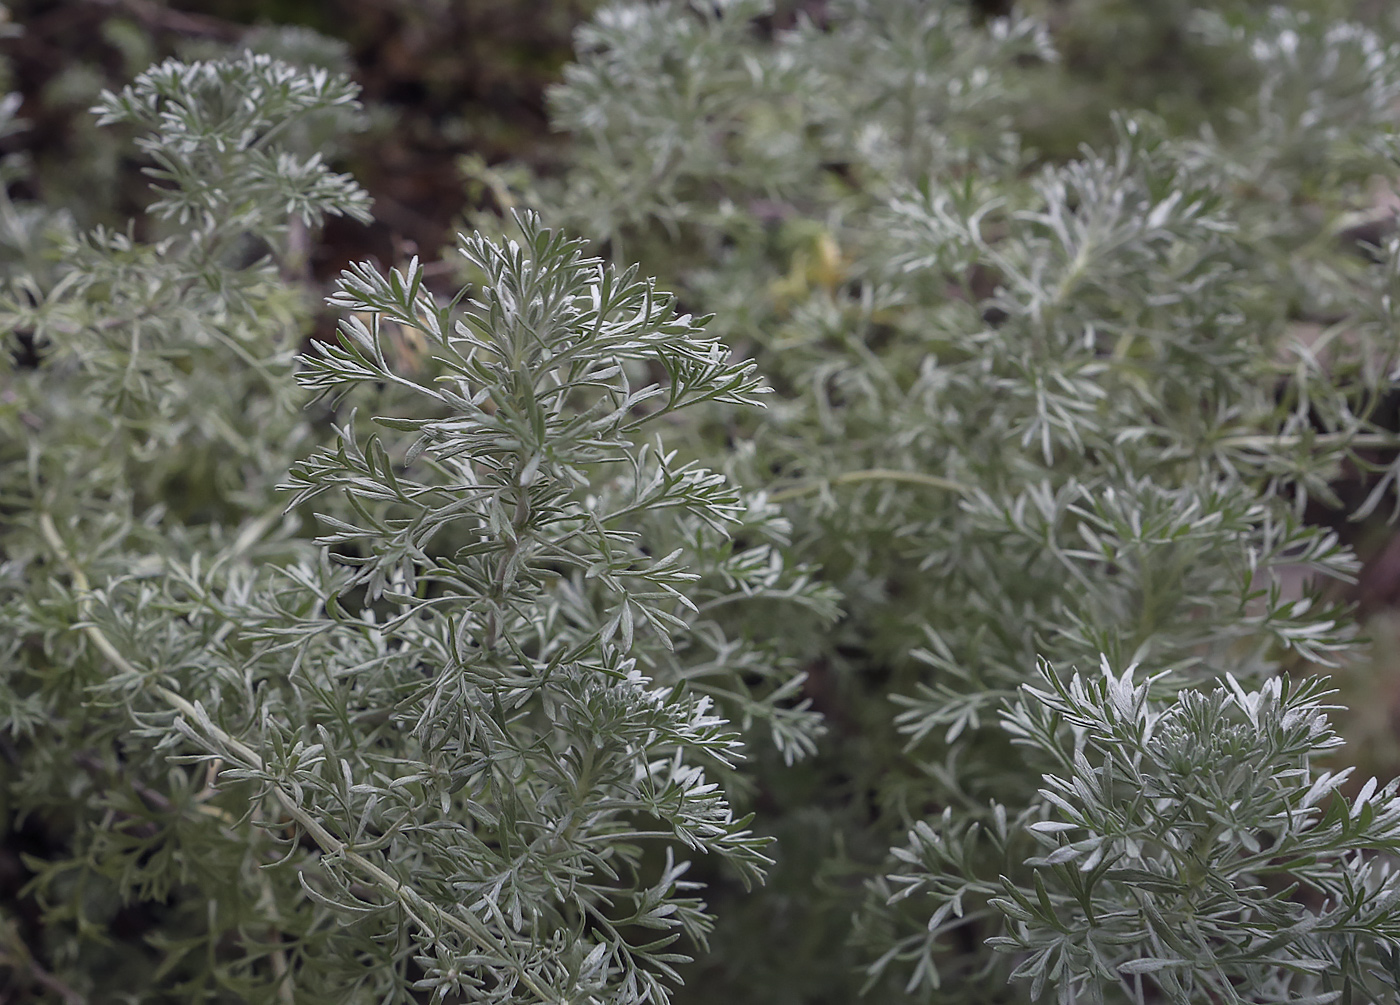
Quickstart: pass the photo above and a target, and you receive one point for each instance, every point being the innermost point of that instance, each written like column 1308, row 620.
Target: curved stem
column 80, row 580
column 412, row 901
column 871, row 475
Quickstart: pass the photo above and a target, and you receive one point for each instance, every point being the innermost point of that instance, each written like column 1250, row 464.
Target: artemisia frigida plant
column 416, row 694
column 438, row 688
column 1051, row 427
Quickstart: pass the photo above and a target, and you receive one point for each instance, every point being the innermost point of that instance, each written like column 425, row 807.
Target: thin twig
column 80, row 580
column 154, row 15
column 1360, row 441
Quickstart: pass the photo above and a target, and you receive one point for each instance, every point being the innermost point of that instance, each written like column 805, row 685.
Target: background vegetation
column 457, row 132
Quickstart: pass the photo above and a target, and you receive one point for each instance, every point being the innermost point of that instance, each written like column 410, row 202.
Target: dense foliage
column 1029, row 411
column 935, row 619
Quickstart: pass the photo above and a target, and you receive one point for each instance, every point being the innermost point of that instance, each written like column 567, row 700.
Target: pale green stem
column 413, row 902
column 1264, row 441
column 15, row 954
column 871, row 475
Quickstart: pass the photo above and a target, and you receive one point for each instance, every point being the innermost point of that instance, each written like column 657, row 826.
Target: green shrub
column 461, row 683
column 1028, row 410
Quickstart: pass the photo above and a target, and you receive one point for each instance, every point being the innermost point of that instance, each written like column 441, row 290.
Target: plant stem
column 869, row 475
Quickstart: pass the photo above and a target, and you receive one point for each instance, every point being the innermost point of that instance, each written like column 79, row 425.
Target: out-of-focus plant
column 1027, row 409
